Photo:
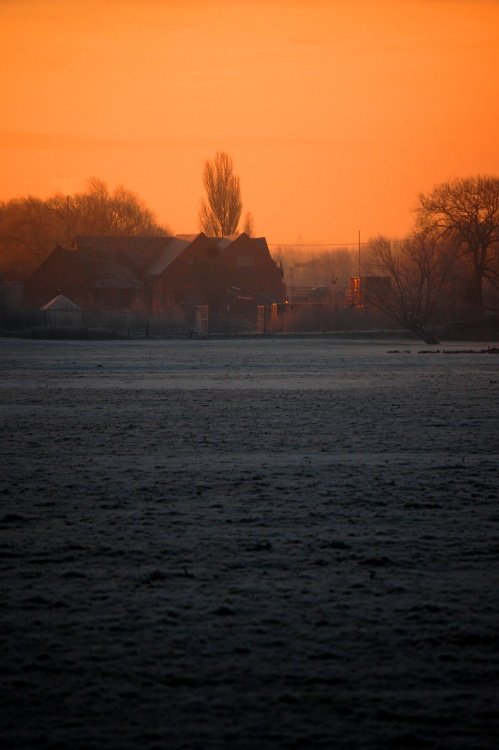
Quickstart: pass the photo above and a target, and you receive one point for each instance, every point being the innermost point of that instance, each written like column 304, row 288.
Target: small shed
column 60, row 312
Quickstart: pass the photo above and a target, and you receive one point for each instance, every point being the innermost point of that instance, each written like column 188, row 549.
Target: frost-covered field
column 248, row 544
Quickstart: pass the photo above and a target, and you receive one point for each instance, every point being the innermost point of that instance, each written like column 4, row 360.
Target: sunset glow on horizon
column 336, row 114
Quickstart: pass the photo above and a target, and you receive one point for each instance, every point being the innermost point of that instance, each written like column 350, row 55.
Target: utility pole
column 360, row 281
column 359, row 253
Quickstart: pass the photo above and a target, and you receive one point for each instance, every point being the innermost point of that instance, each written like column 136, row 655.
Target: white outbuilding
column 60, row 312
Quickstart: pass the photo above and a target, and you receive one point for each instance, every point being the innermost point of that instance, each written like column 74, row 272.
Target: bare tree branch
column 249, row 224
column 466, row 211
column 416, row 270
column 30, row 227
column 220, row 211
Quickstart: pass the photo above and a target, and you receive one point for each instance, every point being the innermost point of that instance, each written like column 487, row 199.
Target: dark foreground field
column 257, row 544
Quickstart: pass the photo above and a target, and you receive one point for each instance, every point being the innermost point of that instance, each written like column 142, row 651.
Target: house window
column 245, row 261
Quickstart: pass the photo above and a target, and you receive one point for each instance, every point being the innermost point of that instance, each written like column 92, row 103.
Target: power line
column 316, row 244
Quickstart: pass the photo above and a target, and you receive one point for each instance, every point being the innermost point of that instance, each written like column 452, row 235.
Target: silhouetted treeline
column 31, row 227
column 447, row 269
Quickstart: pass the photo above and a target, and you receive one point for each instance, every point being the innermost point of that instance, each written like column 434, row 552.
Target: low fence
column 37, row 324
column 288, row 319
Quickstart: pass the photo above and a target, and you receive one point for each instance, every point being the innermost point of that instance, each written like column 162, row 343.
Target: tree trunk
column 427, row 336
column 476, row 296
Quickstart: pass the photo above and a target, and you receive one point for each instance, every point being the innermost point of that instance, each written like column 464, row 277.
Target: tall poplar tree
column 220, row 211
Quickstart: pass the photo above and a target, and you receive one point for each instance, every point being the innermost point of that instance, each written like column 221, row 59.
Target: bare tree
column 220, row 211
column 27, row 228
column 30, row 227
column 99, row 211
column 249, row 224
column 466, row 211
column 416, row 270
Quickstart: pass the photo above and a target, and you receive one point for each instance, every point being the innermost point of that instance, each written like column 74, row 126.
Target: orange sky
column 336, row 113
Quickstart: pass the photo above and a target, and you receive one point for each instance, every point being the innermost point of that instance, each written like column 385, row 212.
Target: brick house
column 160, row 274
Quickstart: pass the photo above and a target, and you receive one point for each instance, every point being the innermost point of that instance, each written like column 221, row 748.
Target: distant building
column 364, row 289
column 60, row 312
column 160, row 274
column 354, row 295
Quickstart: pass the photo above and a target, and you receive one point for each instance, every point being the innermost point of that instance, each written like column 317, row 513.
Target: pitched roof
column 112, row 263
column 105, row 270
column 61, row 303
column 223, row 242
column 188, row 237
column 141, row 251
column 173, row 249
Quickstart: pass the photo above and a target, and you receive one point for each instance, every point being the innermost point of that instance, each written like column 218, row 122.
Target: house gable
column 250, row 267
column 192, row 277
column 89, row 276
